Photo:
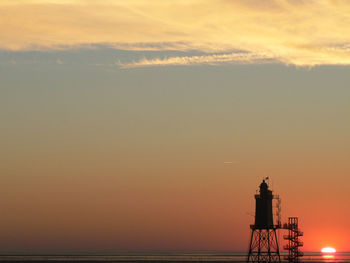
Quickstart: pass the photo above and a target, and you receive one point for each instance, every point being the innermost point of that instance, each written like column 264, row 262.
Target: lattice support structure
column 263, row 246
column 293, row 240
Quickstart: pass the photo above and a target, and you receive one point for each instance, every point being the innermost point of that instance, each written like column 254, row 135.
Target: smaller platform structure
column 294, row 243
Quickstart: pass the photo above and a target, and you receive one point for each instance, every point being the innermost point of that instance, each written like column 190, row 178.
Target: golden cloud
column 212, row 59
column 295, row 32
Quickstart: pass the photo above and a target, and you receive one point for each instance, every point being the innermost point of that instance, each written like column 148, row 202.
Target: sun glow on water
column 328, row 253
column 328, row 256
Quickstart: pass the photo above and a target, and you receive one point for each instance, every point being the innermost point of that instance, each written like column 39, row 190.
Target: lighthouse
column 264, row 245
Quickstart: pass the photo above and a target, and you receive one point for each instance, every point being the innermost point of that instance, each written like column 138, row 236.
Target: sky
column 147, row 126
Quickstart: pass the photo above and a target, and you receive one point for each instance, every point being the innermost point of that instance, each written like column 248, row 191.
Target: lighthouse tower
column 263, row 242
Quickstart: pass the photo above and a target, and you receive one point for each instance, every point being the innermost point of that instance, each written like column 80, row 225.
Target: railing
column 293, row 246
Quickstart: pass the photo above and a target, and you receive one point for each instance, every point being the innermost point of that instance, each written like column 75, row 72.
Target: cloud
column 298, row 32
column 212, row 59
column 59, row 62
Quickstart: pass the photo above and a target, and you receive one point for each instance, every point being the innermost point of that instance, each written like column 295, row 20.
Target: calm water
column 193, row 257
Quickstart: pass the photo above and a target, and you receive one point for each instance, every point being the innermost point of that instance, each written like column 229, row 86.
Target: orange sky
column 175, row 167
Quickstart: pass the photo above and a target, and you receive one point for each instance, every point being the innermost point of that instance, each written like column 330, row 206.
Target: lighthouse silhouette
column 263, row 242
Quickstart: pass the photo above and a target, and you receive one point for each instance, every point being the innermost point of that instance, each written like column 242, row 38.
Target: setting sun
column 328, row 250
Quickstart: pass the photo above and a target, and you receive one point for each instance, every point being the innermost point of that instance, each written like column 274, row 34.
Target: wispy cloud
column 212, row 59
column 305, row 33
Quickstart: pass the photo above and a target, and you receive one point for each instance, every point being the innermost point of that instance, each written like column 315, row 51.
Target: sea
column 164, row 258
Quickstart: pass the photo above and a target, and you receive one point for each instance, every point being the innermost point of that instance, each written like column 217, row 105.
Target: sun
column 328, row 250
